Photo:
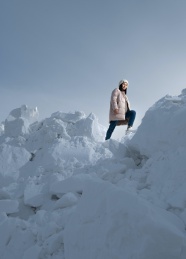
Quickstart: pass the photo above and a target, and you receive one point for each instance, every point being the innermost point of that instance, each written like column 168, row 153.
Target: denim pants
column 129, row 115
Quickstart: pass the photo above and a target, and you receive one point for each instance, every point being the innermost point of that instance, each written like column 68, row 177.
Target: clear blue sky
column 69, row 55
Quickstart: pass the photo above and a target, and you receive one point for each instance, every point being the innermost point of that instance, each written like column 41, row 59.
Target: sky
column 68, row 55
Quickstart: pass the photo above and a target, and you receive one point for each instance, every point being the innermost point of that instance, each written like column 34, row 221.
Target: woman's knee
column 133, row 112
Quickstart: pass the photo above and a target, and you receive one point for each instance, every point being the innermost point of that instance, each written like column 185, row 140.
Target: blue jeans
column 129, row 115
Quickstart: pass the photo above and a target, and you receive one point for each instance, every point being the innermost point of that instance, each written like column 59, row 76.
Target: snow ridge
column 66, row 193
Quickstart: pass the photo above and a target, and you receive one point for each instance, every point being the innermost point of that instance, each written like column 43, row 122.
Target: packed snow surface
column 65, row 193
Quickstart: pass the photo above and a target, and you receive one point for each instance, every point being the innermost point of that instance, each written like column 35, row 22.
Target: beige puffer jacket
column 118, row 101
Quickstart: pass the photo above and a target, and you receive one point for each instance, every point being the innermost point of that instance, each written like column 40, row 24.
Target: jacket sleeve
column 114, row 97
column 128, row 103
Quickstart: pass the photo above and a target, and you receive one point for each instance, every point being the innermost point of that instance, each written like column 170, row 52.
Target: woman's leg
column 131, row 115
column 111, row 129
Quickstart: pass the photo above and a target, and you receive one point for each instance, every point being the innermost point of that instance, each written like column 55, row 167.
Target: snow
column 9, row 206
column 66, row 193
column 121, row 224
column 164, row 121
column 18, row 121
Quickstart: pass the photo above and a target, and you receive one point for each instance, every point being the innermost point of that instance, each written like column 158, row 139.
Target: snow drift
column 163, row 127
column 66, row 193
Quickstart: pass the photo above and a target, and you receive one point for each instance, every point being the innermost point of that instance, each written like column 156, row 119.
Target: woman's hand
column 116, row 111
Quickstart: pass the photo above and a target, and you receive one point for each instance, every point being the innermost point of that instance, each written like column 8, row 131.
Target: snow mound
column 163, row 126
column 159, row 148
column 69, row 117
column 66, row 193
column 121, row 225
column 81, row 125
column 19, row 120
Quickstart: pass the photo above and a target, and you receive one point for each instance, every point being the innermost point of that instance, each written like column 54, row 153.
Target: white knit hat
column 123, row 81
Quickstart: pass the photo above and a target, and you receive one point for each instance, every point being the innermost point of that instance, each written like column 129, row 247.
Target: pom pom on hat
column 123, row 81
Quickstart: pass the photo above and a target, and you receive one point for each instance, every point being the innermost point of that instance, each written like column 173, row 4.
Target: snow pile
column 19, row 120
column 163, row 127
column 66, row 193
column 120, row 225
column 162, row 138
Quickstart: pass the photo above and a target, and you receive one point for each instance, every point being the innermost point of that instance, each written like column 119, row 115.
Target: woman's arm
column 114, row 103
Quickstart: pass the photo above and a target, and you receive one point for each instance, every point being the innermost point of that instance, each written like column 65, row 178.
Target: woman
column 120, row 112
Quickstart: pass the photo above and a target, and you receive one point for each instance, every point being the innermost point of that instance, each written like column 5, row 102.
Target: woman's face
column 124, row 85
